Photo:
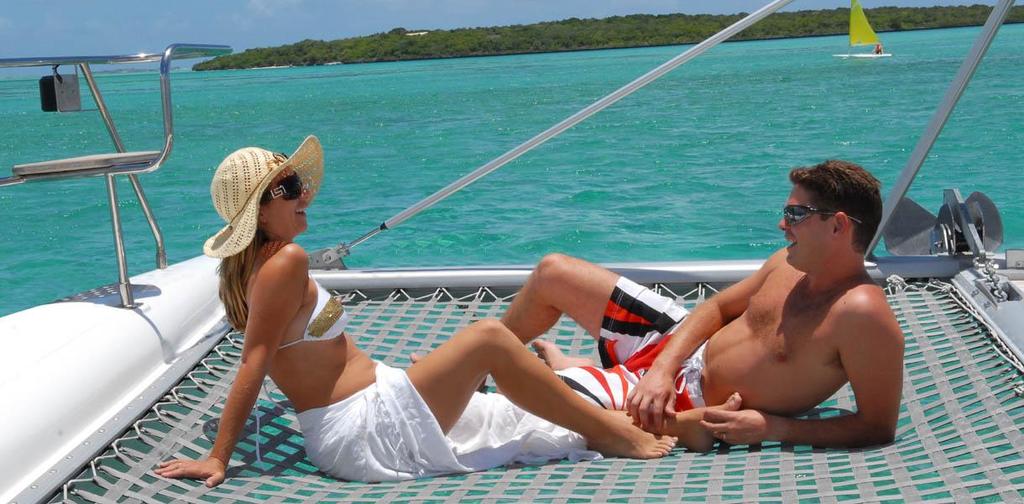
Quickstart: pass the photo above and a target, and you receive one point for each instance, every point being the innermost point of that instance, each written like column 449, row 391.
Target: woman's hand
column 209, row 469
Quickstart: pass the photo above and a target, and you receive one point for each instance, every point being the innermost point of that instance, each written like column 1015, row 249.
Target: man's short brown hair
column 843, row 186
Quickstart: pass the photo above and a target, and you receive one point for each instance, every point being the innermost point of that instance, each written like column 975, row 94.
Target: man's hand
column 210, row 469
column 652, row 400
column 739, row 427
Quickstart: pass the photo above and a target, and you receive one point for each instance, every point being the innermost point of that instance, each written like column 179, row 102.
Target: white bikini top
column 327, row 321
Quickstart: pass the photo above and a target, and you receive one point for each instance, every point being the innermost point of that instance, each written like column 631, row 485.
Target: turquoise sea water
column 692, row 167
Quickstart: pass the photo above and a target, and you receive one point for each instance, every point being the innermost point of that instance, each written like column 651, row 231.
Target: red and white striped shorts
column 637, row 324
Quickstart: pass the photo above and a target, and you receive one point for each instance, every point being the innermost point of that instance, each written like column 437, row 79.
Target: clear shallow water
column 692, row 167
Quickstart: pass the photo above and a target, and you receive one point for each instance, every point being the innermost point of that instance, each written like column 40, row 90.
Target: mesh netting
column 958, row 439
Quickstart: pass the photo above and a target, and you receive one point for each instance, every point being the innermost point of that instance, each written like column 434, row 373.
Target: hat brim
column 307, row 161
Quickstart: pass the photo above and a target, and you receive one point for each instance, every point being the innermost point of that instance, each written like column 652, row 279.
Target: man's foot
column 692, row 435
column 623, row 439
column 555, row 359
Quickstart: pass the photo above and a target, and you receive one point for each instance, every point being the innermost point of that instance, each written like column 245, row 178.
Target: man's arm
column 870, row 345
column 653, row 399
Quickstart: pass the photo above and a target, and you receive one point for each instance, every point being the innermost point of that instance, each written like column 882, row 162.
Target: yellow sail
column 860, row 30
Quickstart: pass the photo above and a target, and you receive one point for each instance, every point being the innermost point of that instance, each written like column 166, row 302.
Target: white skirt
column 386, row 432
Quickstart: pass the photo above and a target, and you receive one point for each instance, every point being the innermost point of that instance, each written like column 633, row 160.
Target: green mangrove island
column 574, row 34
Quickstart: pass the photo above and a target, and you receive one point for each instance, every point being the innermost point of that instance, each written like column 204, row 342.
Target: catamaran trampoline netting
column 958, row 439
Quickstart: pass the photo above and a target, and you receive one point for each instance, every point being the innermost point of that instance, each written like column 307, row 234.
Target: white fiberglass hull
column 68, row 368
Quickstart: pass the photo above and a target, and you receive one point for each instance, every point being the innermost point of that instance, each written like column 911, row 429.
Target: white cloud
column 271, row 7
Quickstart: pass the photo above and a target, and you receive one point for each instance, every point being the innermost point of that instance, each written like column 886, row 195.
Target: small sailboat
column 861, row 34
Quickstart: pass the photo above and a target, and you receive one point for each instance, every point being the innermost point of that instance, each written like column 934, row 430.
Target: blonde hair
column 236, row 269
column 234, row 273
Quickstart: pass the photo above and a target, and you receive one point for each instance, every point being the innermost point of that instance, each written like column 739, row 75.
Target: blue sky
column 81, row 27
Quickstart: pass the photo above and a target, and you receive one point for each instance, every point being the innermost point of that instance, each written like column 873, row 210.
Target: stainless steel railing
column 113, row 165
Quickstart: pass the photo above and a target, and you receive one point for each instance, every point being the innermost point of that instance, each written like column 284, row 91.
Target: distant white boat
column 863, row 55
column 861, row 34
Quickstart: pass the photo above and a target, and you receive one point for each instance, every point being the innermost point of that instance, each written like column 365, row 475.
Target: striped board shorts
column 634, row 330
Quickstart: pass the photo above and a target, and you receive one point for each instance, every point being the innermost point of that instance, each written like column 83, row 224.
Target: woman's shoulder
column 288, row 262
column 292, row 254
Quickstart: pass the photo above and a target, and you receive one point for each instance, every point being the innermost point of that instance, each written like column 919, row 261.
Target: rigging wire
column 330, row 258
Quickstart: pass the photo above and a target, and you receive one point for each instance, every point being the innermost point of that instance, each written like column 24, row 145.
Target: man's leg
column 560, row 284
column 555, row 358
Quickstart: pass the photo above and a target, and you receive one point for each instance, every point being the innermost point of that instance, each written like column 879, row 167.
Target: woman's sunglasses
column 795, row 214
column 289, row 188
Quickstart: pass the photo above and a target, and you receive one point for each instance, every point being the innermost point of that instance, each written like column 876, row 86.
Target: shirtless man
column 786, row 338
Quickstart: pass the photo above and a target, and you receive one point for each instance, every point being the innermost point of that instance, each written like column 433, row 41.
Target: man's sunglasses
column 795, row 214
column 289, row 188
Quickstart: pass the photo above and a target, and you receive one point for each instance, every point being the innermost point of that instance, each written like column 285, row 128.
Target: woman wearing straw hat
column 361, row 419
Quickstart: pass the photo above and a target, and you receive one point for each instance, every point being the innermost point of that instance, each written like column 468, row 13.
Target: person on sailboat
column 361, row 419
column 861, row 33
column 786, row 338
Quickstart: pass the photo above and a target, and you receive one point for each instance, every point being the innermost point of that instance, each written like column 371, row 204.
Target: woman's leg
column 686, row 425
column 447, row 377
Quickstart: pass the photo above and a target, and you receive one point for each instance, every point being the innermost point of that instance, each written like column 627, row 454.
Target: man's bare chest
column 785, row 324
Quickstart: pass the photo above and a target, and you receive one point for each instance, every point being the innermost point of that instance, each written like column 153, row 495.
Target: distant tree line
column 578, row 34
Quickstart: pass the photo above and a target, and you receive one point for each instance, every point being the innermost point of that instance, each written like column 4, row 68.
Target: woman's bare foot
column 692, row 435
column 623, row 439
column 553, row 356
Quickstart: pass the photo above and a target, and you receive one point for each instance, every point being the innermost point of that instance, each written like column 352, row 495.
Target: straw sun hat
column 239, row 183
